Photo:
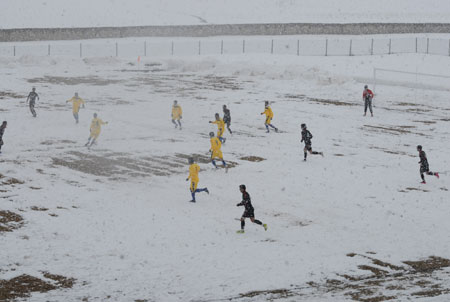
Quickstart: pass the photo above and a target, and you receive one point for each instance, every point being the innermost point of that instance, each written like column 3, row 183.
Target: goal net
column 409, row 79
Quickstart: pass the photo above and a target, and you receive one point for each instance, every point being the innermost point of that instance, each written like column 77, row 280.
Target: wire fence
column 189, row 47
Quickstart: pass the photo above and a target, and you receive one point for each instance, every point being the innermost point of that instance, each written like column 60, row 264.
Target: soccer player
column 367, row 98
column 193, row 176
column 424, row 166
column 220, row 127
column 96, row 127
column 177, row 113
column 306, row 137
column 249, row 211
column 2, row 131
column 216, row 151
column 76, row 103
column 269, row 116
column 227, row 117
column 32, row 100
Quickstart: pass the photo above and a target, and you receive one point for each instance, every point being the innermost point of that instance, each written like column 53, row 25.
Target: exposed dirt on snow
column 10, row 221
column 88, row 80
column 380, row 281
column 118, row 164
column 9, row 94
column 253, row 158
column 302, row 97
column 24, row 285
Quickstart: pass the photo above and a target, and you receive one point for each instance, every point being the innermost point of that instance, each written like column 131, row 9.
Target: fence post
column 298, row 47
column 390, row 41
column 81, row 50
column 428, row 44
column 172, row 48
column 374, row 79
column 350, row 52
column 199, row 47
column 48, row 49
column 243, row 46
column 221, row 47
column 271, row 48
column 371, row 48
column 117, row 49
column 416, row 44
column 14, row 50
column 145, row 48
column 326, row 47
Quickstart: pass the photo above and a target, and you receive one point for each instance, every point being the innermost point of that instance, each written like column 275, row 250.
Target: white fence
column 336, row 46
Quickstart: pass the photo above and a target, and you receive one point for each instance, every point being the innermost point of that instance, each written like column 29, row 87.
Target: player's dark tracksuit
column 227, row 119
column 306, row 137
column 2, row 131
column 32, row 99
column 424, row 166
column 368, row 96
column 249, row 210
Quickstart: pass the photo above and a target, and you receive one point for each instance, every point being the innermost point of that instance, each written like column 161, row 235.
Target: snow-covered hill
column 85, row 13
column 117, row 219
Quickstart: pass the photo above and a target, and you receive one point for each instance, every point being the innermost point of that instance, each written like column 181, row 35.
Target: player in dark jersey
column 31, row 99
column 424, row 166
column 306, row 137
column 367, row 98
column 2, row 131
column 249, row 211
column 227, row 117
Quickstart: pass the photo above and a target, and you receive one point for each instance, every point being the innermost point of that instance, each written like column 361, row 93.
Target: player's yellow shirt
column 176, row 112
column 96, row 124
column 193, row 172
column 216, row 145
column 268, row 112
column 76, row 103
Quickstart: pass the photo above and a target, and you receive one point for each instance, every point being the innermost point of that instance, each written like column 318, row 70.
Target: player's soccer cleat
column 265, row 226
column 192, row 200
column 423, row 182
column 436, row 174
column 276, row 130
column 226, row 169
column 267, row 131
column 240, row 231
column 206, row 190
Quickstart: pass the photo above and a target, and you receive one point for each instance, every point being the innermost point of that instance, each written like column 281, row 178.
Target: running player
column 306, row 137
column 32, row 100
column 249, row 211
column 269, row 116
column 424, row 166
column 76, row 103
column 220, row 127
column 177, row 113
column 216, row 151
column 96, row 127
column 193, row 176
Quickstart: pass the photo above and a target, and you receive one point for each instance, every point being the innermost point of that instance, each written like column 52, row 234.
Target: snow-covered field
column 117, row 219
column 86, row 13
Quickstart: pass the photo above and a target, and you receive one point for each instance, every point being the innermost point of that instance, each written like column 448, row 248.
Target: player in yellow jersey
column 269, row 116
column 193, row 176
column 216, row 151
column 76, row 103
column 220, row 127
column 96, row 128
column 177, row 113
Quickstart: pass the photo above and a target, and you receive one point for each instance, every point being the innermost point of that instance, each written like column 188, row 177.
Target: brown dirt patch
column 24, row 285
column 35, row 208
column 10, row 180
column 302, row 97
column 252, row 158
column 9, row 94
column 116, row 165
column 92, row 80
column 10, row 221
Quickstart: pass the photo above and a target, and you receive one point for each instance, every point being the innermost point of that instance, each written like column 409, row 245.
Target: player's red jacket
column 367, row 92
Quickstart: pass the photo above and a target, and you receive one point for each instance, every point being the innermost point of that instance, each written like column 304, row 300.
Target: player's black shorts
column 424, row 169
column 249, row 214
column 227, row 121
column 308, row 147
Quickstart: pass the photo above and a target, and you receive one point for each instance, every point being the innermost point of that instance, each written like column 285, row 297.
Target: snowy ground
column 116, row 217
column 67, row 13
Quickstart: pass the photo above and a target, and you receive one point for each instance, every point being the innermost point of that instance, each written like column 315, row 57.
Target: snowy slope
column 122, row 226
column 84, row 13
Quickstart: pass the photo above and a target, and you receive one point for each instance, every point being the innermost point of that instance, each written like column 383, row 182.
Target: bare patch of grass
column 252, row 158
column 10, row 221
